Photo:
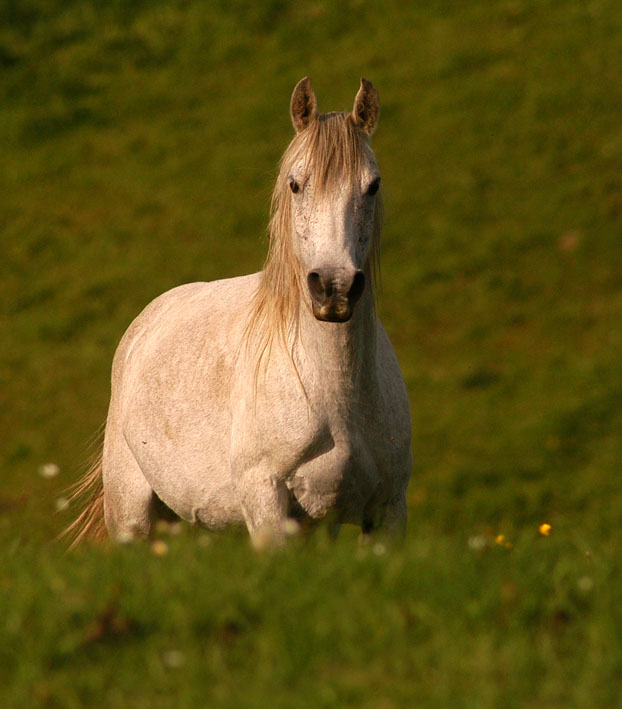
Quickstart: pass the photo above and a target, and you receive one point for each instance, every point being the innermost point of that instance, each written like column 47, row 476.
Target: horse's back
column 196, row 309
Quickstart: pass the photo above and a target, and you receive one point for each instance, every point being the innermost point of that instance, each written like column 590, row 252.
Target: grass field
column 138, row 146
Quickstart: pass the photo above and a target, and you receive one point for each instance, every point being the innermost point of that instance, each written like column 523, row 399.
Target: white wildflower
column 49, row 470
column 585, row 584
column 477, row 543
column 290, row 527
column 61, row 504
column 125, row 537
column 173, row 659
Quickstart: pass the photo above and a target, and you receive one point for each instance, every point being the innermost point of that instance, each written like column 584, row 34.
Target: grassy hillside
column 138, row 145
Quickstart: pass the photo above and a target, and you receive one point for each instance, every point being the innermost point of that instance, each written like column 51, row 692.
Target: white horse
column 274, row 395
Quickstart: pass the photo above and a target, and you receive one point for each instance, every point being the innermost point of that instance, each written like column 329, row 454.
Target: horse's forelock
column 331, row 148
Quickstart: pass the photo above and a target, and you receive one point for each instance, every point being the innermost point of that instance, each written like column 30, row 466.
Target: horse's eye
column 294, row 186
column 374, row 187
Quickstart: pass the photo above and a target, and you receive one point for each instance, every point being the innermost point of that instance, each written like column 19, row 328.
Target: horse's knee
column 395, row 517
column 264, row 501
column 389, row 519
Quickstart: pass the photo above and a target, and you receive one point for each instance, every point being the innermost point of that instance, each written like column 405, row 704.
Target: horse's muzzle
column 334, row 292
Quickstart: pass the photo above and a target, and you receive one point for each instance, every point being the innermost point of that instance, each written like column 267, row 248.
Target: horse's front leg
column 395, row 517
column 264, row 499
column 389, row 521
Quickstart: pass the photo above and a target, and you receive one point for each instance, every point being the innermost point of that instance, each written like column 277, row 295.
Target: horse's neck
column 342, row 356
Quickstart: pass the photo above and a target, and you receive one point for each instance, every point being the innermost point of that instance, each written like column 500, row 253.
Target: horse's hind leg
column 129, row 502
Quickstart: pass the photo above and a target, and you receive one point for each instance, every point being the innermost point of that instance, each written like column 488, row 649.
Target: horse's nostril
column 357, row 287
column 335, row 287
column 316, row 287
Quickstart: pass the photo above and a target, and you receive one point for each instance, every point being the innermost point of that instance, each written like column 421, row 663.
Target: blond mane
column 334, row 150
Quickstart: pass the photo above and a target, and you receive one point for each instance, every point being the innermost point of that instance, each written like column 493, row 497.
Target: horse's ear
column 366, row 107
column 303, row 106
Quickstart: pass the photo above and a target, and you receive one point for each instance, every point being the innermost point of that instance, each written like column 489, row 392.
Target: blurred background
column 139, row 142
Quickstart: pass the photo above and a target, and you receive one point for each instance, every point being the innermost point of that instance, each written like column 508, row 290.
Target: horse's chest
column 341, row 475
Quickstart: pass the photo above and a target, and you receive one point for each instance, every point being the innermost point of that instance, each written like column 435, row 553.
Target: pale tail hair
column 90, row 487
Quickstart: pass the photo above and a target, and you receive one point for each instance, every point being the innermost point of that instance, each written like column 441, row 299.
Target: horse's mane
column 334, row 150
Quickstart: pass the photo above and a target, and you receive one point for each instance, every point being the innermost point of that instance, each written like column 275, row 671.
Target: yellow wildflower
column 544, row 529
column 502, row 541
column 159, row 548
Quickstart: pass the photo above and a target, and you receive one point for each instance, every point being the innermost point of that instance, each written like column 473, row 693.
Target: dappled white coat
column 227, row 422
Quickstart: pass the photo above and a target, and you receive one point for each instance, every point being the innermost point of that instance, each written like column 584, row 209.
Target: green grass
column 432, row 624
column 138, row 145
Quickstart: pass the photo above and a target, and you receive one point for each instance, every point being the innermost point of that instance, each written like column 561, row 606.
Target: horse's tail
column 90, row 522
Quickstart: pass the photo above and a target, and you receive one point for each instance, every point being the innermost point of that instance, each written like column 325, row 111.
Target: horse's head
column 329, row 199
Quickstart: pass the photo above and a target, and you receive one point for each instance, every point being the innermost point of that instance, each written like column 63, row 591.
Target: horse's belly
column 187, row 473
